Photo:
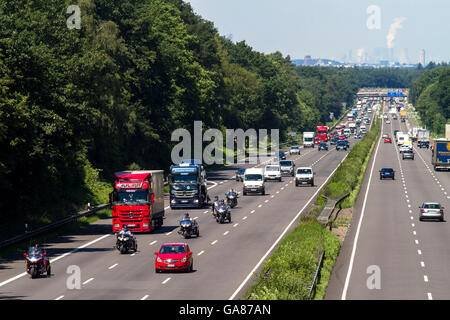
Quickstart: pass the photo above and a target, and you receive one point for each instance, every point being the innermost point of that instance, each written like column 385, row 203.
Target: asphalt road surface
column 388, row 253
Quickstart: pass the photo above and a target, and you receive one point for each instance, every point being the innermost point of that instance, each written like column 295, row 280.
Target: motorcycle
column 126, row 242
column 214, row 205
column 232, row 198
column 188, row 229
column 37, row 263
column 223, row 213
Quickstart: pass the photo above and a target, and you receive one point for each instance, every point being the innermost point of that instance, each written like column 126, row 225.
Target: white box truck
column 308, row 139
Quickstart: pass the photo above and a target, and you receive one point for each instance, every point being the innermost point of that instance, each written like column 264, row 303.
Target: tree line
column 79, row 103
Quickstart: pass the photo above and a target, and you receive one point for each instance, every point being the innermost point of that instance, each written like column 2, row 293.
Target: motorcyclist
column 36, row 250
column 127, row 233
column 215, row 204
column 187, row 217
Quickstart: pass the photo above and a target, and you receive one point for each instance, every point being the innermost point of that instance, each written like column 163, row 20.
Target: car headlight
column 184, row 259
column 159, row 259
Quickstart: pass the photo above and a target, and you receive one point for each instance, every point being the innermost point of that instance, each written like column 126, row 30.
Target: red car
column 342, row 137
column 387, row 140
column 316, row 141
column 174, row 256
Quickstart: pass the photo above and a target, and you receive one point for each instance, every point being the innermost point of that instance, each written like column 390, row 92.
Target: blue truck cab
column 188, row 185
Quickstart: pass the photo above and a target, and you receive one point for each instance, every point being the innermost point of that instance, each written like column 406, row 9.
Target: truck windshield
column 308, row 139
column 185, row 179
column 132, row 197
column 253, row 177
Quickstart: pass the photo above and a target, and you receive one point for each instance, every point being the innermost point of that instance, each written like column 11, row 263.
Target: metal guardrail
column 316, row 278
column 52, row 226
column 328, row 209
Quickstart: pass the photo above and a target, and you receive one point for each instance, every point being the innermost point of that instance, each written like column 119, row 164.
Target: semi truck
column 440, row 156
column 423, row 138
column 402, row 115
column 188, row 185
column 322, row 133
column 308, row 139
column 138, row 200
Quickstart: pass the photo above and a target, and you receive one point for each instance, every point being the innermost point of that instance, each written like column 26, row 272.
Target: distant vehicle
column 342, row 145
column 387, row 173
column 308, row 139
column 347, row 132
column 358, row 135
column 282, row 155
column 431, row 210
column 440, row 158
column 322, row 133
column 240, row 174
column 272, row 172
column 294, row 150
column 408, row 154
column 37, row 262
column 387, row 140
column 423, row 144
column 304, row 175
column 385, row 135
column 287, row 167
column 388, row 121
column 254, row 181
column 323, row 146
column 363, row 130
column 404, row 147
column 174, row 256
column 334, row 140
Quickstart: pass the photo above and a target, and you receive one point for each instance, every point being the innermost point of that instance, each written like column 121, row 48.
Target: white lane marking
column 153, row 242
column 59, row 298
column 278, row 192
column 168, row 233
column 195, row 218
column 88, row 280
column 282, row 188
column 200, row 253
column 286, row 185
column 133, row 254
column 413, row 225
column 282, row 234
column 266, row 201
column 272, row 196
column 419, row 252
column 165, row 281
column 414, row 233
column 416, row 241
column 57, row 258
column 252, row 211
column 215, row 184
column 260, row 206
column 430, row 297
column 244, row 218
column 214, row 242
column 113, row 266
column 144, row 297
column 226, row 232
column 206, row 211
column 425, row 278
column 236, row 224
column 412, row 217
column 422, row 264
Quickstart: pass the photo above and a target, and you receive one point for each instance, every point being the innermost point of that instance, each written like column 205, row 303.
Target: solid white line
column 144, row 297
column 282, row 234
column 165, row 281
column 60, row 297
column 347, row 279
column 113, row 266
column 88, row 280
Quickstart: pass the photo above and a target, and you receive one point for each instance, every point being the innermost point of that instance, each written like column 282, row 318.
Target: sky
column 331, row 28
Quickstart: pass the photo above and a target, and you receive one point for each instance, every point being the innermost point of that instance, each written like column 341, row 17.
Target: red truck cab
column 322, row 133
column 138, row 200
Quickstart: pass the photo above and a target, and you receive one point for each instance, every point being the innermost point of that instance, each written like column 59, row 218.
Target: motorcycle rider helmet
column 221, row 202
column 216, row 198
column 186, row 215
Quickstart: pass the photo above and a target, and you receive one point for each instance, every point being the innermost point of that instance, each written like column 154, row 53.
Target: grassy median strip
column 288, row 273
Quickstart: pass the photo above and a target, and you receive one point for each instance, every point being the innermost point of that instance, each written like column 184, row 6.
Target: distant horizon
column 349, row 30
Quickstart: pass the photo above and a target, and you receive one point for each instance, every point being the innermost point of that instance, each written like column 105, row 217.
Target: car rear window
column 432, row 206
column 285, row 163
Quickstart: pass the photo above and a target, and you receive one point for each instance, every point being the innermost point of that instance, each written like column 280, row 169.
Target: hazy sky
column 330, row 28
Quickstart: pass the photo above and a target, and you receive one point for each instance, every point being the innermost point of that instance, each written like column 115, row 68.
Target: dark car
column 240, row 174
column 342, row 145
column 334, row 140
column 423, row 144
column 387, row 173
column 281, row 155
column 323, row 146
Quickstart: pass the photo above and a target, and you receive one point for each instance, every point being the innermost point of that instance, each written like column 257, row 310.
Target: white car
column 304, row 175
column 294, row 150
column 388, row 121
column 272, row 172
column 405, row 147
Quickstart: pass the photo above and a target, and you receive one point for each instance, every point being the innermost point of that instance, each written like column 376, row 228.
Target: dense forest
column 430, row 94
column 79, row 103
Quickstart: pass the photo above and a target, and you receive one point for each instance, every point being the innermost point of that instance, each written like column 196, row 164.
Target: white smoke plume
column 397, row 24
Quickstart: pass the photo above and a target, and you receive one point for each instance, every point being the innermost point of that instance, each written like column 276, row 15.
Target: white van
column 272, row 172
column 254, row 181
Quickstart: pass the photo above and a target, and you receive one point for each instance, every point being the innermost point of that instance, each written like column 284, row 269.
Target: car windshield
column 294, row 148
column 304, row 171
column 173, row 249
column 132, row 197
column 273, row 168
column 253, row 177
column 432, row 206
column 286, row 163
column 184, row 179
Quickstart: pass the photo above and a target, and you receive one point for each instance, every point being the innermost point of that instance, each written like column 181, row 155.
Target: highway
column 412, row 257
column 226, row 256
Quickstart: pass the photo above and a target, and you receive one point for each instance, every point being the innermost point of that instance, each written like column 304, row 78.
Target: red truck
column 322, row 133
column 138, row 200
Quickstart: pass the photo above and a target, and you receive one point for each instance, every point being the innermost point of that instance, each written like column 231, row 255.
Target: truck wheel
column 263, row 192
column 312, row 183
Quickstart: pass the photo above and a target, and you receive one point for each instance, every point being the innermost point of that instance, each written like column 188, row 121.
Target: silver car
column 431, row 210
